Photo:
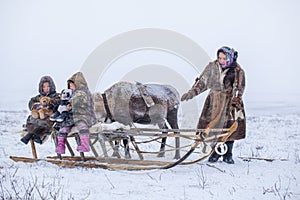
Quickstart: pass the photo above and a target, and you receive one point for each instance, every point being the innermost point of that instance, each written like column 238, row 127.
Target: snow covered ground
column 272, row 132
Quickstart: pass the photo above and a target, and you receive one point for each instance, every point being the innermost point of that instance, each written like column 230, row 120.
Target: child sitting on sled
column 83, row 114
column 38, row 129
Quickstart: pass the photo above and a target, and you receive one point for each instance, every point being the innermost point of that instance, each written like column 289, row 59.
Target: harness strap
column 145, row 95
column 108, row 113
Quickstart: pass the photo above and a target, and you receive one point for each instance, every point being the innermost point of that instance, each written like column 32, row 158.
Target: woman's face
column 46, row 87
column 222, row 59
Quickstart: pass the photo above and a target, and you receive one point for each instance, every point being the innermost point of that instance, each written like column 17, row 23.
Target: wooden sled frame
column 118, row 163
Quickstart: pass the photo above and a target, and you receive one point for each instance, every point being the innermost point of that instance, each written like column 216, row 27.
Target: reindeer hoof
column 127, row 155
column 115, row 154
column 161, row 154
column 177, row 156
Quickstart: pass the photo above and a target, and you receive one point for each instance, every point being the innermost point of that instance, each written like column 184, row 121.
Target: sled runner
column 109, row 152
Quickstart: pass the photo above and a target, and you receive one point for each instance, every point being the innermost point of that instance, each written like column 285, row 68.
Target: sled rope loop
column 197, row 143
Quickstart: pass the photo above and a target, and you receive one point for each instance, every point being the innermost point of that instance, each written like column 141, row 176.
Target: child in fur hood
column 38, row 129
column 83, row 114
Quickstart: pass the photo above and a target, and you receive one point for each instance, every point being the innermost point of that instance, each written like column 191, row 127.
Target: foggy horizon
column 43, row 38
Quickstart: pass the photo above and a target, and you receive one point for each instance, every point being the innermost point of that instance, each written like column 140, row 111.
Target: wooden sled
column 109, row 154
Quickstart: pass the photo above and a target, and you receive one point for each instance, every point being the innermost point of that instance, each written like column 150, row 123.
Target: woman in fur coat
column 225, row 79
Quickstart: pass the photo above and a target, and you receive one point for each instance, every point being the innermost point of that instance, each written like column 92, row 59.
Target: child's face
column 72, row 86
column 46, row 87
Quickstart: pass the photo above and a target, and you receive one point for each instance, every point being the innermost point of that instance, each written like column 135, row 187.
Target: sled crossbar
column 142, row 130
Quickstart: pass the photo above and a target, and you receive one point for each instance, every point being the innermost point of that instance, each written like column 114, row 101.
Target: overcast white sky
column 56, row 37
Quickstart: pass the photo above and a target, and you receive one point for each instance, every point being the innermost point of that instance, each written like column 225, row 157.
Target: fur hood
column 79, row 81
column 51, row 84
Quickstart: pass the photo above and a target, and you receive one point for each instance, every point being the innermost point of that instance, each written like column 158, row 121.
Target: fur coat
column 219, row 110
column 81, row 101
column 42, row 127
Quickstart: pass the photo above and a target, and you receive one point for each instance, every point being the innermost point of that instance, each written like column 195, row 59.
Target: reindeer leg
column 115, row 148
column 177, row 144
column 163, row 143
column 126, row 148
column 172, row 120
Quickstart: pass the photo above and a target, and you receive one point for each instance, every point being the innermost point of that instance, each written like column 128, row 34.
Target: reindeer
column 123, row 102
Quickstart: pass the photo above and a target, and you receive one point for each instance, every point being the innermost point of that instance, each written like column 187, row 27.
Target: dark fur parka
column 219, row 110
